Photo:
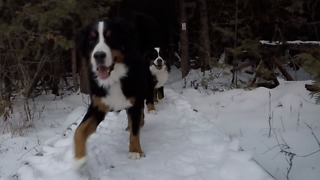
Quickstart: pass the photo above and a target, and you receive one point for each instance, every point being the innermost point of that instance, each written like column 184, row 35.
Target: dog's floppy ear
column 122, row 34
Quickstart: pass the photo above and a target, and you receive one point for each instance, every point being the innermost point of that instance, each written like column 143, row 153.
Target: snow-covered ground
column 196, row 134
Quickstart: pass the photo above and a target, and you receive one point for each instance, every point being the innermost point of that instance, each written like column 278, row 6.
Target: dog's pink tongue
column 103, row 72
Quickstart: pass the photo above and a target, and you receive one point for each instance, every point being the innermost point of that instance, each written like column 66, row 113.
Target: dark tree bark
column 312, row 87
column 184, row 41
column 37, row 76
column 74, row 70
column 84, row 74
column 234, row 74
column 282, row 70
column 56, row 77
column 204, row 37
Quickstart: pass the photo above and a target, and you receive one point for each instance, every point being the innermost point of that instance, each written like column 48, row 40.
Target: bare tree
column 184, row 41
column 84, row 74
column 204, row 37
column 234, row 74
column 74, row 70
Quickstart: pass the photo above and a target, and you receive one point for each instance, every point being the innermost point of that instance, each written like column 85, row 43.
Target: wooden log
column 237, row 68
column 282, row 70
column 269, row 64
column 312, row 87
column 253, row 81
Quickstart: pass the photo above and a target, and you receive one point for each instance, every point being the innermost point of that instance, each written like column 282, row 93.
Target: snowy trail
column 179, row 144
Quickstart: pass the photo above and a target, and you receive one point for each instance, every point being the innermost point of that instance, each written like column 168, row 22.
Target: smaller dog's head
column 154, row 58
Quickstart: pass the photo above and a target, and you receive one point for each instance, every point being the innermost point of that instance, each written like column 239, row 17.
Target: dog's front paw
column 136, row 155
column 79, row 163
column 152, row 112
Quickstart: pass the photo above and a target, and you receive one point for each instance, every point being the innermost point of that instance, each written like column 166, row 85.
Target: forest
column 37, row 51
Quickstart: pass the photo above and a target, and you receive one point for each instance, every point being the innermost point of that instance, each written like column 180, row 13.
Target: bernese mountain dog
column 117, row 76
column 157, row 77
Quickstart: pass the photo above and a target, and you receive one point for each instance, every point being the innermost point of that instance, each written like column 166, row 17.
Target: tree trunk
column 234, row 75
column 34, row 80
column 204, row 37
column 84, row 77
column 312, row 87
column 184, row 41
column 74, row 70
column 282, row 70
column 7, row 81
column 55, row 80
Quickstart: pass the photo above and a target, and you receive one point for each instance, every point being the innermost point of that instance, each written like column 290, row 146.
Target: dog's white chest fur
column 115, row 98
column 161, row 74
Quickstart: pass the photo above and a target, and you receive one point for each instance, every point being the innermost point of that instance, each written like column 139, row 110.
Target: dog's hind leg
column 95, row 114
column 150, row 101
column 135, row 120
column 155, row 95
column 160, row 93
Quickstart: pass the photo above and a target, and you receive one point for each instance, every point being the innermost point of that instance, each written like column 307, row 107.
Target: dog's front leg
column 135, row 120
column 155, row 95
column 95, row 114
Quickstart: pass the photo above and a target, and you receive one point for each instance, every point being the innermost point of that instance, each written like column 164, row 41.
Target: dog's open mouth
column 158, row 66
column 103, row 71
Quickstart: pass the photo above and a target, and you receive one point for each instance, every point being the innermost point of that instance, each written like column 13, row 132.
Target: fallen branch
column 312, row 87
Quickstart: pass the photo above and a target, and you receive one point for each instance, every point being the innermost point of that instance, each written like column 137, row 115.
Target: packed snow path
column 180, row 144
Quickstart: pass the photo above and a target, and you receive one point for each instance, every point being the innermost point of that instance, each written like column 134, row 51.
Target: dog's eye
column 107, row 33
column 154, row 55
column 115, row 43
column 93, row 35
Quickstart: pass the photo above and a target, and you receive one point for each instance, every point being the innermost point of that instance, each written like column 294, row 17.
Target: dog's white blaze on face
column 115, row 98
column 159, row 57
column 157, row 49
column 101, row 46
column 161, row 74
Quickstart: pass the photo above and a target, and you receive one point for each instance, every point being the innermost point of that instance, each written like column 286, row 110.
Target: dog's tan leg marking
column 150, row 107
column 87, row 127
column 135, row 151
column 81, row 135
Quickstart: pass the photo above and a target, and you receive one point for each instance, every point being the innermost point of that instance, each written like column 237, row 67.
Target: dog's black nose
column 100, row 57
column 159, row 61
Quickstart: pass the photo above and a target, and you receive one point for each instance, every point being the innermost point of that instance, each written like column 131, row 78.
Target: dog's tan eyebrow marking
column 108, row 33
column 93, row 34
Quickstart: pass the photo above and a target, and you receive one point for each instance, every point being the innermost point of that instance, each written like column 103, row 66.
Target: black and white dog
column 157, row 77
column 117, row 75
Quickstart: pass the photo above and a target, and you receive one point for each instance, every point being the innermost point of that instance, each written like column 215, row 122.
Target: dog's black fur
column 116, row 83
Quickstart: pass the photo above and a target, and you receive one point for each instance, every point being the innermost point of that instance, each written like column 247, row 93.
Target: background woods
column 37, row 37
column 36, row 45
